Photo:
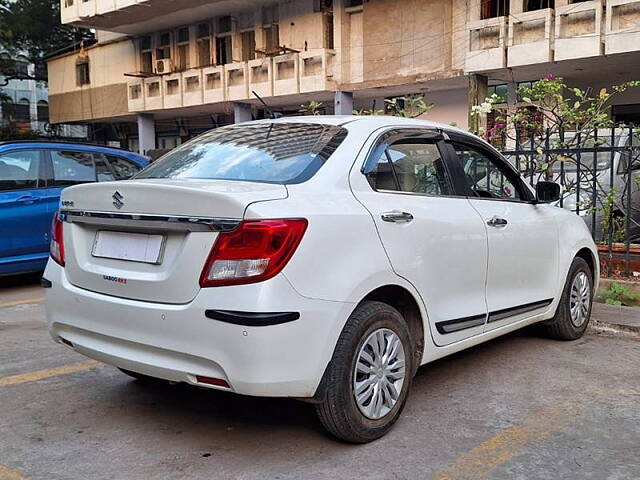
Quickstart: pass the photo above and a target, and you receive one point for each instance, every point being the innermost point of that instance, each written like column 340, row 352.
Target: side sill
column 450, row 326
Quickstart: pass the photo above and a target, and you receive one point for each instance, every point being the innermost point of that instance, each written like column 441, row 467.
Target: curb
column 614, row 329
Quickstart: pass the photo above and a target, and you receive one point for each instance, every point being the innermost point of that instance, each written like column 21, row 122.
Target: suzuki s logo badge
column 118, row 200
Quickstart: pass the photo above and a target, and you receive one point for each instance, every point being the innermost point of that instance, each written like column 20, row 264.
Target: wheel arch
column 407, row 304
column 588, row 256
column 403, row 300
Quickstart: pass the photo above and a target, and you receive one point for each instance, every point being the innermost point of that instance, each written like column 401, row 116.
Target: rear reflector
column 218, row 382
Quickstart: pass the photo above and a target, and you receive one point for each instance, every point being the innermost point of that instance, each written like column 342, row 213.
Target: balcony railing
column 578, row 30
column 133, row 16
column 530, row 38
column 486, row 42
column 282, row 75
column 623, row 26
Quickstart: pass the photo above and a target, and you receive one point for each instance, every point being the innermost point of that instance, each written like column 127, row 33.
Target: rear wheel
column 369, row 375
column 574, row 311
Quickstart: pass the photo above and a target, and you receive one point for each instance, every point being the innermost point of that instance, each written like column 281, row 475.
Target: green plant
column 368, row 111
column 312, row 108
column 618, row 294
column 411, row 106
column 613, row 227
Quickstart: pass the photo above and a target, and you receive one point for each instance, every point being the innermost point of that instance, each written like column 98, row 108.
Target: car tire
column 341, row 414
column 574, row 310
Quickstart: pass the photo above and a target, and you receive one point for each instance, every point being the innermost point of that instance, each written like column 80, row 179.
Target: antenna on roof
column 266, row 107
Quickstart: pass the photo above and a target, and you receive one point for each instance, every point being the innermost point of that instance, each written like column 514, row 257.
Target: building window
column 248, row 45
column 43, row 111
column 183, row 49
column 203, row 43
column 224, row 24
column 22, row 110
column 68, row 3
column 327, row 23
column 223, row 50
column 520, row 85
column 494, row 8
column 272, row 38
column 531, row 5
column 146, row 56
column 164, row 46
column 82, row 71
column 500, row 91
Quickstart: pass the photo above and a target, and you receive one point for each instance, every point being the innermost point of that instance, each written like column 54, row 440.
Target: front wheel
column 369, row 375
column 574, row 311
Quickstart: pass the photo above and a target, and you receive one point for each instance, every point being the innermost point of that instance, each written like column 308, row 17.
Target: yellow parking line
column 7, row 473
column 25, row 301
column 49, row 372
column 502, row 447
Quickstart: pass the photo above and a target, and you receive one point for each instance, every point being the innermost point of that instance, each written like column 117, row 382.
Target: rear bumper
column 179, row 342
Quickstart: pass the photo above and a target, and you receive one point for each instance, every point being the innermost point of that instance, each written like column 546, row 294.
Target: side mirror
column 547, row 192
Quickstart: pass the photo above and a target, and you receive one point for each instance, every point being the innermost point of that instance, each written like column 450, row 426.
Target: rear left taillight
column 254, row 251
column 56, row 246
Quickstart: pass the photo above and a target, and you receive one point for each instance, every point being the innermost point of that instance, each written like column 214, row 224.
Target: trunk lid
column 188, row 214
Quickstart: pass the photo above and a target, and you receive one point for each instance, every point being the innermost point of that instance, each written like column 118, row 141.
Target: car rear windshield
column 283, row 153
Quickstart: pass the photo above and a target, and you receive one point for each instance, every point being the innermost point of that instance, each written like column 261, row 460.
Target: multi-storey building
column 163, row 71
column 24, row 105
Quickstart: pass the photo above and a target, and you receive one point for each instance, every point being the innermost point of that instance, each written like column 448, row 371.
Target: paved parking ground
column 520, row 407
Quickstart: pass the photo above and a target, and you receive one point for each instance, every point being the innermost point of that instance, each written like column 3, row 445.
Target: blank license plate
column 135, row 247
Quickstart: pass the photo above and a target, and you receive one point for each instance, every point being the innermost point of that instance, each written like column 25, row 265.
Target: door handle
column 397, row 216
column 27, row 199
column 497, row 222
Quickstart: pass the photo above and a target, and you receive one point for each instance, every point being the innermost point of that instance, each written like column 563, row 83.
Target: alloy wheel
column 379, row 373
column 580, row 299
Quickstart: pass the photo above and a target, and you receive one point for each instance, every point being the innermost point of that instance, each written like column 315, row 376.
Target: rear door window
column 72, row 167
column 412, row 164
column 282, row 153
column 103, row 171
column 122, row 167
column 19, row 170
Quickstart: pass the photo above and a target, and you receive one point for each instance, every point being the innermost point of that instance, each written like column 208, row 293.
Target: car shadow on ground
column 20, row 281
column 183, row 407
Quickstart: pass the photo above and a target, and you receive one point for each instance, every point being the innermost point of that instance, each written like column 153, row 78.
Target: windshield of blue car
column 281, row 153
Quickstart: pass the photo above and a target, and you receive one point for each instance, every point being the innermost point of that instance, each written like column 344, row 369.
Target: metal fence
column 599, row 172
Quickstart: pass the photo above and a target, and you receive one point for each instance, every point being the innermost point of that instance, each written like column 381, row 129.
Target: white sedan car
column 321, row 258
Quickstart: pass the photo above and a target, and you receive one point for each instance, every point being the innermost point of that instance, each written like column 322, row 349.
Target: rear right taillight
column 255, row 251
column 56, row 246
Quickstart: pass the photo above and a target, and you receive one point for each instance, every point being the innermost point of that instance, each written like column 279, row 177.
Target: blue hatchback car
column 32, row 175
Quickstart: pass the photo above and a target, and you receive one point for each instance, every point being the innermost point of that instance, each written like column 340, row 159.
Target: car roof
column 82, row 146
column 371, row 121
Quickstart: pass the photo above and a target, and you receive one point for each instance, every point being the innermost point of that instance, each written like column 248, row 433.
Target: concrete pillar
column 146, row 133
column 343, row 103
column 241, row 112
column 477, row 94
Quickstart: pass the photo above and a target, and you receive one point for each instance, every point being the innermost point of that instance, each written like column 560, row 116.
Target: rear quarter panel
column 573, row 235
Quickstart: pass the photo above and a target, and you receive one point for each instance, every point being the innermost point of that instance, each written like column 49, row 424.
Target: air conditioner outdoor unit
column 163, row 66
